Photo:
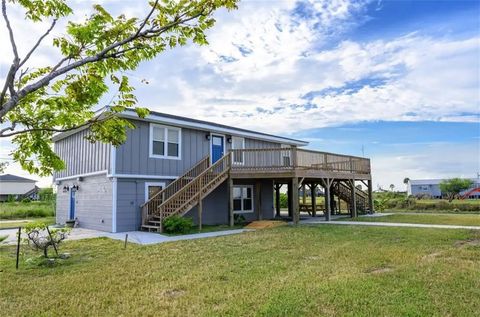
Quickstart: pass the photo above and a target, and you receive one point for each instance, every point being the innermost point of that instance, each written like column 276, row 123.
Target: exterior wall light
column 229, row 140
column 65, row 189
column 207, row 136
column 75, row 187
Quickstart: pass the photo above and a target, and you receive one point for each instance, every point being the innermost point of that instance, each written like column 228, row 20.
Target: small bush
column 238, row 219
column 26, row 200
column 283, row 200
column 177, row 224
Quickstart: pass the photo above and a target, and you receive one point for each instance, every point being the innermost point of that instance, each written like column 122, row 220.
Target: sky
column 395, row 81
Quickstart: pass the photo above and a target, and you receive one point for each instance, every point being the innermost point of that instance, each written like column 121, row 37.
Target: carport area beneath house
column 325, row 198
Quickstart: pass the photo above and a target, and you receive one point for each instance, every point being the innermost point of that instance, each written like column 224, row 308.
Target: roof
column 435, row 181
column 15, row 178
column 165, row 118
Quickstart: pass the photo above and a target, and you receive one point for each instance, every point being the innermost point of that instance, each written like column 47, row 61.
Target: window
column 286, row 154
column 165, row 142
column 152, row 188
column 243, row 199
column 238, row 143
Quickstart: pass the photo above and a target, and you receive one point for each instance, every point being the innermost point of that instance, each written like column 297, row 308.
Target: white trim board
column 143, row 176
column 114, row 204
column 81, row 175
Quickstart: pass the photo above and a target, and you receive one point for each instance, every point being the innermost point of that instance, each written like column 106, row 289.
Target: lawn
column 438, row 219
column 285, row 271
column 19, row 210
column 23, row 222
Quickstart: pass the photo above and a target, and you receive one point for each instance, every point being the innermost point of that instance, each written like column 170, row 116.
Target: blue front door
column 72, row 204
column 217, row 148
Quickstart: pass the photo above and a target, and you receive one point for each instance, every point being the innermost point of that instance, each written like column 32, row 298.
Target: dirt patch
column 431, row 256
column 173, row 293
column 468, row 242
column 264, row 224
column 379, row 270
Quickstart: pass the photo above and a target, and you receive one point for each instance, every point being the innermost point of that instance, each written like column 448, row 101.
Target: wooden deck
column 293, row 162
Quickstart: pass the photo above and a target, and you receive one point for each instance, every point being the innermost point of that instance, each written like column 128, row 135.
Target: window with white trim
column 165, row 142
column 153, row 188
column 238, row 143
column 243, row 199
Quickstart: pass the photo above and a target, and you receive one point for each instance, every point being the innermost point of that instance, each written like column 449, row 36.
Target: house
column 171, row 165
column 431, row 188
column 17, row 187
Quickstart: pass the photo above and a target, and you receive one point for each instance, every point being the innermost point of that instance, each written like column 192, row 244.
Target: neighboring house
column 171, row 165
column 17, row 187
column 431, row 187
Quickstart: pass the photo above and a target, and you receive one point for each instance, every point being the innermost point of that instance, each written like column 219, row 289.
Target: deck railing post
column 294, row 157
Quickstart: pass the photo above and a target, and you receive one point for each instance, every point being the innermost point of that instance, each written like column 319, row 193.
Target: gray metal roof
column 15, row 178
column 221, row 126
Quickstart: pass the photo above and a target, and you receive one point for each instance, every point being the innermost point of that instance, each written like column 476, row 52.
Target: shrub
column 26, row 200
column 283, row 200
column 3, row 238
column 39, row 239
column 10, row 198
column 238, row 219
column 46, row 194
column 177, row 224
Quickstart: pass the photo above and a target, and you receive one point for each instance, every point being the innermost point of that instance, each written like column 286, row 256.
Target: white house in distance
column 16, row 186
column 431, row 187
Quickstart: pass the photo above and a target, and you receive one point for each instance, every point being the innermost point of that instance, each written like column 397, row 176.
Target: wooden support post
column 338, row 198
column 231, row 219
column 370, row 197
column 327, row 184
column 332, row 199
column 258, row 199
column 304, row 194
column 290, row 199
column 295, row 206
column 353, row 199
column 200, row 211
column 313, row 192
column 19, row 236
column 277, row 200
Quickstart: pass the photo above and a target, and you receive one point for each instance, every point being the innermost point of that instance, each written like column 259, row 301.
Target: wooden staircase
column 185, row 192
column 344, row 192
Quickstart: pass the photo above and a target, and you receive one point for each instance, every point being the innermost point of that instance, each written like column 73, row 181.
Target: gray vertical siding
column 81, row 156
column 130, row 195
column 215, row 205
column 132, row 157
column 93, row 202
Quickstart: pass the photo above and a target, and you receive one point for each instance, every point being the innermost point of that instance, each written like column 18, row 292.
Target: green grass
column 23, row 222
column 207, row 228
column 285, row 271
column 439, row 219
column 19, row 210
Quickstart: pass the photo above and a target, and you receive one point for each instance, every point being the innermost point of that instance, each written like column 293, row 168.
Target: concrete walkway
column 384, row 224
column 138, row 237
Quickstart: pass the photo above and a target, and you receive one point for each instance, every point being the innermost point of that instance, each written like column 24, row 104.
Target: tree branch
column 86, row 123
column 15, row 98
column 10, row 79
column 38, row 43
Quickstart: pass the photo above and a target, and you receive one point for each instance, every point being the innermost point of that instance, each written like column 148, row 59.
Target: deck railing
column 292, row 158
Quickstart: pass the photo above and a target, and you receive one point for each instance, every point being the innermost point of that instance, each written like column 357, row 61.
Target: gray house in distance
column 17, row 187
column 431, row 187
column 171, row 165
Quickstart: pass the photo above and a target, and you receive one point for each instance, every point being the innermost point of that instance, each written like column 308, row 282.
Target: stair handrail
column 203, row 162
column 225, row 161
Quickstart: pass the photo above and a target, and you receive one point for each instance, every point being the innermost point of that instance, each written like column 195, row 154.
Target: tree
column 392, row 187
column 452, row 187
column 36, row 102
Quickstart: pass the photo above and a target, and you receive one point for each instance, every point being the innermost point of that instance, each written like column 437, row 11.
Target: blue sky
column 398, row 78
